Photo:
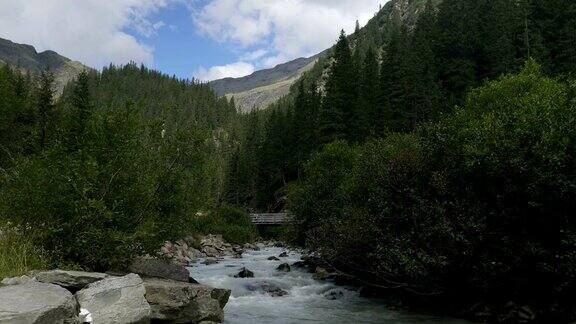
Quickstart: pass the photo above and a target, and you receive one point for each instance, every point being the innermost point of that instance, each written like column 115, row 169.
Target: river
column 307, row 301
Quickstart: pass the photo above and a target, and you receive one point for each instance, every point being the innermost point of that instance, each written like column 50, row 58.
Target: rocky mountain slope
column 265, row 87
column 26, row 58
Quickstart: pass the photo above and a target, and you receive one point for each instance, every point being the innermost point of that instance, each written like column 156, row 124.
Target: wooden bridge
column 270, row 219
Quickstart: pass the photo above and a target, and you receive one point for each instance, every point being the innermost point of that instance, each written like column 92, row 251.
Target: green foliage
column 467, row 206
column 18, row 255
column 233, row 223
column 118, row 169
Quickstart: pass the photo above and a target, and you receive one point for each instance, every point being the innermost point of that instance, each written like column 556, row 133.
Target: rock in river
column 179, row 302
column 244, row 273
column 284, row 267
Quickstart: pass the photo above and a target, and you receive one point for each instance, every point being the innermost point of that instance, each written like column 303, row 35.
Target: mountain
column 264, row 87
column 26, row 58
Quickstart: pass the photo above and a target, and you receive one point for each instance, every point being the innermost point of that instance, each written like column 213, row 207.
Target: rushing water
column 308, row 300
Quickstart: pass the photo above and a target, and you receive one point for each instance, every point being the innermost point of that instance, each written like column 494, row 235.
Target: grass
column 18, row 255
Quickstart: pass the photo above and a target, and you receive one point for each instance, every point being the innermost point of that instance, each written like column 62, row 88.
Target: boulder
column 36, row 302
column 283, row 254
column 16, row 280
column 269, row 289
column 158, row 268
column 244, row 273
column 179, row 302
column 334, row 294
column 273, row 258
column 299, row 264
column 322, row 274
column 116, row 300
column 284, row 267
column 210, row 261
column 71, row 280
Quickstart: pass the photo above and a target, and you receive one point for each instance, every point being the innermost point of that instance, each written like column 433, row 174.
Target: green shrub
column 479, row 204
column 233, row 223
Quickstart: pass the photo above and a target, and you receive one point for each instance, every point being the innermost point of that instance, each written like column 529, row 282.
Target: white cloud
column 285, row 29
column 234, row 70
column 90, row 31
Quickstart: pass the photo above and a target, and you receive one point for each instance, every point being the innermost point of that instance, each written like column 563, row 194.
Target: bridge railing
column 270, row 219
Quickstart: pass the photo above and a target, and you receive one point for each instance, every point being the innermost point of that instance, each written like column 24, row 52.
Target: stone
column 334, row 294
column 16, row 280
column 37, row 303
column 244, row 273
column 71, row 280
column 283, row 254
column 299, row 264
column 210, row 261
column 322, row 274
column 269, row 289
column 284, row 267
column 273, row 258
column 178, row 302
column 116, row 300
column 158, row 268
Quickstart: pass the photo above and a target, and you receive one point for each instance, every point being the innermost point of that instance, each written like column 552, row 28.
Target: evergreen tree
column 81, row 108
column 366, row 112
column 45, row 105
column 337, row 108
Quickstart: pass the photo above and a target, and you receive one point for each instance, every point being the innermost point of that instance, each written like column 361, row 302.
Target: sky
column 202, row 39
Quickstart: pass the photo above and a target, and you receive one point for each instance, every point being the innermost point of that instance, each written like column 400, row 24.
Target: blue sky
column 206, row 39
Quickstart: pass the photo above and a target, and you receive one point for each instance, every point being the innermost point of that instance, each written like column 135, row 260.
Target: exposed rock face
column 25, row 58
column 116, row 300
column 37, row 303
column 71, row 280
column 179, row 302
column 273, row 258
column 283, row 255
column 263, row 87
column 244, row 273
column 157, row 268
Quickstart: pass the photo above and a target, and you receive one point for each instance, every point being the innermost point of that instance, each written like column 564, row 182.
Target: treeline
column 391, row 77
column 435, row 158
column 124, row 160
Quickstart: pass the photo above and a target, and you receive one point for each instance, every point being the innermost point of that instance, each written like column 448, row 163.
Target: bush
column 233, row 223
column 478, row 205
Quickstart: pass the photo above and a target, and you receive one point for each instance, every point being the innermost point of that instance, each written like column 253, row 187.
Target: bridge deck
column 270, row 219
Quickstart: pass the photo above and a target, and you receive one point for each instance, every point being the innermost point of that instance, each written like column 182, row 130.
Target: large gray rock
column 116, row 300
column 16, row 280
column 71, row 280
column 35, row 302
column 158, row 268
column 179, row 302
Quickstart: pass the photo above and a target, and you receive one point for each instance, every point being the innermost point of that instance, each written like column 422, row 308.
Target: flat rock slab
column 158, row 268
column 37, row 303
column 116, row 300
column 179, row 302
column 71, row 280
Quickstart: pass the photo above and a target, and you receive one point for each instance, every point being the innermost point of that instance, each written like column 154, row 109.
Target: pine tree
column 366, row 112
column 44, row 104
column 337, row 109
column 81, row 109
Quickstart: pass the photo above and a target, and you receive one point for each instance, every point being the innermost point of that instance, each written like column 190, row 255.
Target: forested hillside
column 126, row 159
column 432, row 154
